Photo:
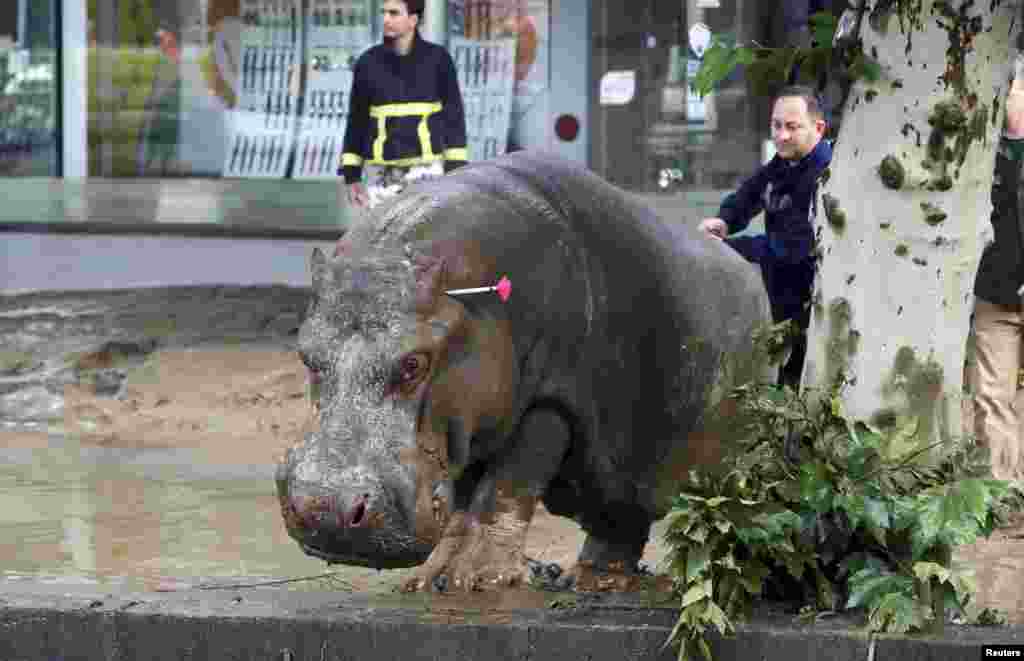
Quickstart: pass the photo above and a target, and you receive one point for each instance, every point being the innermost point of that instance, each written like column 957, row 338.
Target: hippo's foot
column 616, row 577
column 474, row 556
column 585, row 577
column 605, row 566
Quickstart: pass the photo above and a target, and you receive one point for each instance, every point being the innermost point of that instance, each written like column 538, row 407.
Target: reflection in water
column 147, row 518
column 139, row 517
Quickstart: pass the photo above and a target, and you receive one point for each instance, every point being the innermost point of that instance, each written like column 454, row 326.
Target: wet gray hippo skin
column 442, row 419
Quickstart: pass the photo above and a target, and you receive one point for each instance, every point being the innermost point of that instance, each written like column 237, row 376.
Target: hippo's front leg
column 483, row 544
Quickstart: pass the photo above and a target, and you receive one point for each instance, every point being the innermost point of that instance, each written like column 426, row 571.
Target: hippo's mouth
column 410, row 557
column 349, row 559
column 383, row 545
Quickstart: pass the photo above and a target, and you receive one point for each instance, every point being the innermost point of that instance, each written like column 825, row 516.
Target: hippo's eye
column 410, row 370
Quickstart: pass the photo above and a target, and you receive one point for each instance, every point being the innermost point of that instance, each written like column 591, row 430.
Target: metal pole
column 74, row 36
column 23, row 23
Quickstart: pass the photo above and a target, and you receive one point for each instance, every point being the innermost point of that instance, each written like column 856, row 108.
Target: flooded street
column 166, row 518
column 140, row 517
column 170, row 485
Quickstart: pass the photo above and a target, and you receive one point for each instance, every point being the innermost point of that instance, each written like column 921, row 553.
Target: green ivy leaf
column 699, row 533
column 953, row 514
column 815, row 488
column 868, row 585
column 718, row 62
column 770, row 68
column 902, row 442
column 896, row 613
column 697, row 592
column 929, row 570
column 697, row 560
column 823, row 28
column 876, row 514
column 717, row 617
column 728, row 561
column 964, row 584
column 753, row 576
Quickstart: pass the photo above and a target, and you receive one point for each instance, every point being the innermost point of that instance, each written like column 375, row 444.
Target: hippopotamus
column 442, row 420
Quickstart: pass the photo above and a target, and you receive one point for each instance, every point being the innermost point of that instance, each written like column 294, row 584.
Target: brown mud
column 247, row 404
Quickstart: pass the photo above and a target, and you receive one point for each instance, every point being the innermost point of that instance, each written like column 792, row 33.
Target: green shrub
column 834, row 514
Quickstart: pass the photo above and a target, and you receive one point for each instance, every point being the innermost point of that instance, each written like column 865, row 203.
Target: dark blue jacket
column 1001, row 270
column 404, row 110
column 785, row 191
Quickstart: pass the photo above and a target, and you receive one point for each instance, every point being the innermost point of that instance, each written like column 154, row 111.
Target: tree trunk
column 892, row 303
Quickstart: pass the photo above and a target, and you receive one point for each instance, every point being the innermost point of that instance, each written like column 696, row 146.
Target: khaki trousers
column 998, row 332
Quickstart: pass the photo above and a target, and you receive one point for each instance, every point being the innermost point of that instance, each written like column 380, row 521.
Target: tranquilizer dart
column 504, row 289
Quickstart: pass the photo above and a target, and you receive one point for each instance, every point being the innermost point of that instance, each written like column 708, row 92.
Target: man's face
column 795, row 131
column 398, row 22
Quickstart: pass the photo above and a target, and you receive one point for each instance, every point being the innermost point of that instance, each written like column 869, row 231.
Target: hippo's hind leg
column 484, row 540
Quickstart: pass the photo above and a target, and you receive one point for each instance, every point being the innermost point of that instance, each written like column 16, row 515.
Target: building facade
column 225, row 117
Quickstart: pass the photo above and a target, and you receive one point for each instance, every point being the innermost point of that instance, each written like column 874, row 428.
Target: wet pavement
column 167, row 518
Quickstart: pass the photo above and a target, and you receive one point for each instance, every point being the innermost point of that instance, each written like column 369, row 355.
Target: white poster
column 617, row 88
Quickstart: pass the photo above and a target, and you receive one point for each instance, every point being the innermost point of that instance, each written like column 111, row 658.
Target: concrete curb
column 44, row 621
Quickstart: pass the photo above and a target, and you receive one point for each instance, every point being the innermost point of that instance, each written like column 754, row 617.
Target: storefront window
column 652, row 132
column 232, row 88
column 28, row 88
column 500, row 52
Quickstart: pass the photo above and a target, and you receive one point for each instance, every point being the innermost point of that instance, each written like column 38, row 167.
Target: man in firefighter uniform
column 405, row 112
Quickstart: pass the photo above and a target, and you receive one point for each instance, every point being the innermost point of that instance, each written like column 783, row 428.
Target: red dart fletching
column 504, row 288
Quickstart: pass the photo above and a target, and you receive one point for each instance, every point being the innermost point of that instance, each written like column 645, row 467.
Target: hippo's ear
column 318, row 267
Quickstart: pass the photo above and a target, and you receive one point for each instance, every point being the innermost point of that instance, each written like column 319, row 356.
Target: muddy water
column 145, row 519
column 166, row 518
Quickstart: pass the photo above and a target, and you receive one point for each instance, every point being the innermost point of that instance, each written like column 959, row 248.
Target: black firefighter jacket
column 404, row 110
column 1001, row 271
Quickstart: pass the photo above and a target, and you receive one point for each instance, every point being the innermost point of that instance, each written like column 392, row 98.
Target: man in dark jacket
column 785, row 189
column 998, row 320
column 406, row 109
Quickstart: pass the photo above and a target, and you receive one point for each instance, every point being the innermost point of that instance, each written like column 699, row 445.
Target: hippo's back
column 631, row 324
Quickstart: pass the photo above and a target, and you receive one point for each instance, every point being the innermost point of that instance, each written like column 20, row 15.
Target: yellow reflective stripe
column 401, row 162
column 424, row 132
column 405, row 109
column 382, row 113
column 456, row 154
column 378, row 144
column 348, row 158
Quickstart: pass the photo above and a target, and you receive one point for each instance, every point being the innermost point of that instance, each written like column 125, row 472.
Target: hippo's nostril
column 357, row 515
column 310, row 511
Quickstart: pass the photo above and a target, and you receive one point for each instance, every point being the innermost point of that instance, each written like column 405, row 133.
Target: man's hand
column 715, row 228
column 357, row 195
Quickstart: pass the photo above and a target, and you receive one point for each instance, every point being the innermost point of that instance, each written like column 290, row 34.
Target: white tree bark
column 893, row 298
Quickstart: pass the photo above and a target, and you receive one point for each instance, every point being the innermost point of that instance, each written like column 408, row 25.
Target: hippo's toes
column 549, row 576
column 491, row 558
column 431, row 575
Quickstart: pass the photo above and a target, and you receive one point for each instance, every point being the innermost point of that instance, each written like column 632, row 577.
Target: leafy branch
column 814, row 508
column 768, row 68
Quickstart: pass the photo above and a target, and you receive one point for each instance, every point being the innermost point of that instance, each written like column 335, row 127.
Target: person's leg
column 789, row 288
column 997, row 333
